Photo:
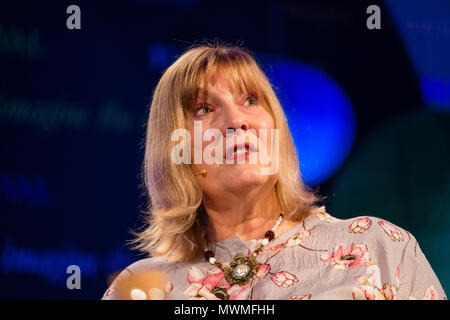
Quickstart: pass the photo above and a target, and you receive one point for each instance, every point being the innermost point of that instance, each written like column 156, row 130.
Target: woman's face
column 237, row 113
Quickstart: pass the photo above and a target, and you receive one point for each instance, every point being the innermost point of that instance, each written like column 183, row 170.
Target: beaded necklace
column 243, row 268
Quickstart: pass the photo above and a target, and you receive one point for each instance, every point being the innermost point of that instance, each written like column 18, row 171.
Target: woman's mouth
column 240, row 151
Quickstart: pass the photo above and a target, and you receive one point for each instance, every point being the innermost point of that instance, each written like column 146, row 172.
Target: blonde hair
column 175, row 214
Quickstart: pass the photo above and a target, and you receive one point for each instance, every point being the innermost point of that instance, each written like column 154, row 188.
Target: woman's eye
column 203, row 109
column 251, row 100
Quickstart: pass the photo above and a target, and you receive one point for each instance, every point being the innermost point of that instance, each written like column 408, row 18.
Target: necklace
column 242, row 269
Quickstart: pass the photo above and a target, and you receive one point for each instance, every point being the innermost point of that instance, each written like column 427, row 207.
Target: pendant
column 241, row 269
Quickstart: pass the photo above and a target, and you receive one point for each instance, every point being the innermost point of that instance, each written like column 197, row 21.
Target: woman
column 232, row 219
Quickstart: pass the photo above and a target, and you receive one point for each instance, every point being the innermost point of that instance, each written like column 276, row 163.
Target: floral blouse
column 320, row 258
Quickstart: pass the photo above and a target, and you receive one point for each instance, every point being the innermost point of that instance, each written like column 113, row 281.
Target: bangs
column 241, row 71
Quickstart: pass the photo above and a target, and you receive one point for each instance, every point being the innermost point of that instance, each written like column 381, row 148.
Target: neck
column 247, row 215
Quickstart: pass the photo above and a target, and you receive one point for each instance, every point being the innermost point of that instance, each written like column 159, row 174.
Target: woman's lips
column 245, row 155
column 250, row 148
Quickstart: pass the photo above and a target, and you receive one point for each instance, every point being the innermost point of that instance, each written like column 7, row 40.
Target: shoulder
column 378, row 254
column 364, row 240
column 362, row 225
column 147, row 269
column 379, row 234
column 147, row 264
column 152, row 263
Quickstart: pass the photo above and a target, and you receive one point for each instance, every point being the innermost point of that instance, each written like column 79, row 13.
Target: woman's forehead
column 222, row 83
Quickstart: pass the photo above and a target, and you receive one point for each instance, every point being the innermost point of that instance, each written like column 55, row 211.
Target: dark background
column 74, row 103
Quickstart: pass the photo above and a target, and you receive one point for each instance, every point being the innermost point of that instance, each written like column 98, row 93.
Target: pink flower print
column 302, row 297
column 324, row 216
column 169, row 287
column 371, row 288
column 431, row 294
column 275, row 249
column 397, row 276
column 368, row 290
column 360, row 225
column 196, row 291
column 298, row 238
column 388, row 292
column 262, row 271
column 200, row 285
column 354, row 255
column 284, row 279
column 108, row 292
column 391, row 230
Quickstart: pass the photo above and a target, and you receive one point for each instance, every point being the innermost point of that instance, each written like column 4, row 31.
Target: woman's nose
column 235, row 120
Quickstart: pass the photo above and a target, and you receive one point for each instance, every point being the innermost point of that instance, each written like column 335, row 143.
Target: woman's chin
column 255, row 170
column 244, row 175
